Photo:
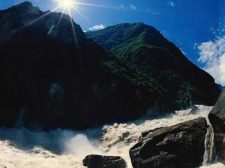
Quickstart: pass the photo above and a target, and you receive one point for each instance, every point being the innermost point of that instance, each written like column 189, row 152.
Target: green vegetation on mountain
column 143, row 49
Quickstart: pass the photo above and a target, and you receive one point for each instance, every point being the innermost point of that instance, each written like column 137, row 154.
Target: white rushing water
column 21, row 148
column 209, row 155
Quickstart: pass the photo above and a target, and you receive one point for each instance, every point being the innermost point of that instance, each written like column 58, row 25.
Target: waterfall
column 209, row 155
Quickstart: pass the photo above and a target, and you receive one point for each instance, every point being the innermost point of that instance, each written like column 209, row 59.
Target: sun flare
column 66, row 4
column 68, row 7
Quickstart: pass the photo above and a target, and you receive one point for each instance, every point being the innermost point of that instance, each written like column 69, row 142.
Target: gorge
column 124, row 96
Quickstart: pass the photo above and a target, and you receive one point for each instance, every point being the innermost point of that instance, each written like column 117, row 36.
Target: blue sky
column 187, row 23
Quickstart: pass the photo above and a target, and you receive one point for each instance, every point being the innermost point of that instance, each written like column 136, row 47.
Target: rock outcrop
column 98, row 161
column 217, row 119
column 181, row 145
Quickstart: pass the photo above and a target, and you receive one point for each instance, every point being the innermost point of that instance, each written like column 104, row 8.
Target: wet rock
column 98, row 161
column 217, row 119
column 181, row 145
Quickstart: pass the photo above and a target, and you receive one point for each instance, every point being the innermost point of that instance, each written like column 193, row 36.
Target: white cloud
column 212, row 54
column 172, row 4
column 133, row 7
column 97, row 27
column 128, row 7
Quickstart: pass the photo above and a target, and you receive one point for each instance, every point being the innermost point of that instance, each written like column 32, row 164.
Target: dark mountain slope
column 144, row 49
column 49, row 79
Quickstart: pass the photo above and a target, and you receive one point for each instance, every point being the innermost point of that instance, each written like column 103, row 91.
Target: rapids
column 20, row 148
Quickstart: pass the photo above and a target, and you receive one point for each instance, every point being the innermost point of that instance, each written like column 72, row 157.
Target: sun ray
column 78, row 12
column 73, row 29
column 61, row 17
column 51, row 29
column 36, row 20
column 93, row 5
column 67, row 5
column 41, row 17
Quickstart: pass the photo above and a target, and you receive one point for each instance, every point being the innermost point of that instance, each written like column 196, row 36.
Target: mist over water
column 58, row 148
column 21, row 147
column 57, row 141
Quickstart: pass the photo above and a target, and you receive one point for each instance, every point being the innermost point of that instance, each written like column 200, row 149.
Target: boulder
column 217, row 119
column 181, row 145
column 98, row 161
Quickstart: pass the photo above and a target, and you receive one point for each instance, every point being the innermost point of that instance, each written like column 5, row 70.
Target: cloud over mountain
column 212, row 54
column 97, row 27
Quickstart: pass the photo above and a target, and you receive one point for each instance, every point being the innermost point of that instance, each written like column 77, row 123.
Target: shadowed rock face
column 217, row 119
column 181, row 145
column 98, row 161
column 43, row 71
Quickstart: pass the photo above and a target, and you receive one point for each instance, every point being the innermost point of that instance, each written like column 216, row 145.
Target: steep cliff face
column 143, row 48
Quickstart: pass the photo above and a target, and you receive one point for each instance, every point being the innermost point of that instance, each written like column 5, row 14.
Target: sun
column 66, row 4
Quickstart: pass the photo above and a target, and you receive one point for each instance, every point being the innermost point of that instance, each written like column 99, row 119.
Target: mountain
column 45, row 76
column 53, row 76
column 144, row 49
column 50, row 79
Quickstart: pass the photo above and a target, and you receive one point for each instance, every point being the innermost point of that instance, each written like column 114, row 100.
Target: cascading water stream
column 209, row 155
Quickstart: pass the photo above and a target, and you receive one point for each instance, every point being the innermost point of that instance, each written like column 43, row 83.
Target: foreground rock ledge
column 181, row 145
column 98, row 161
column 217, row 119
